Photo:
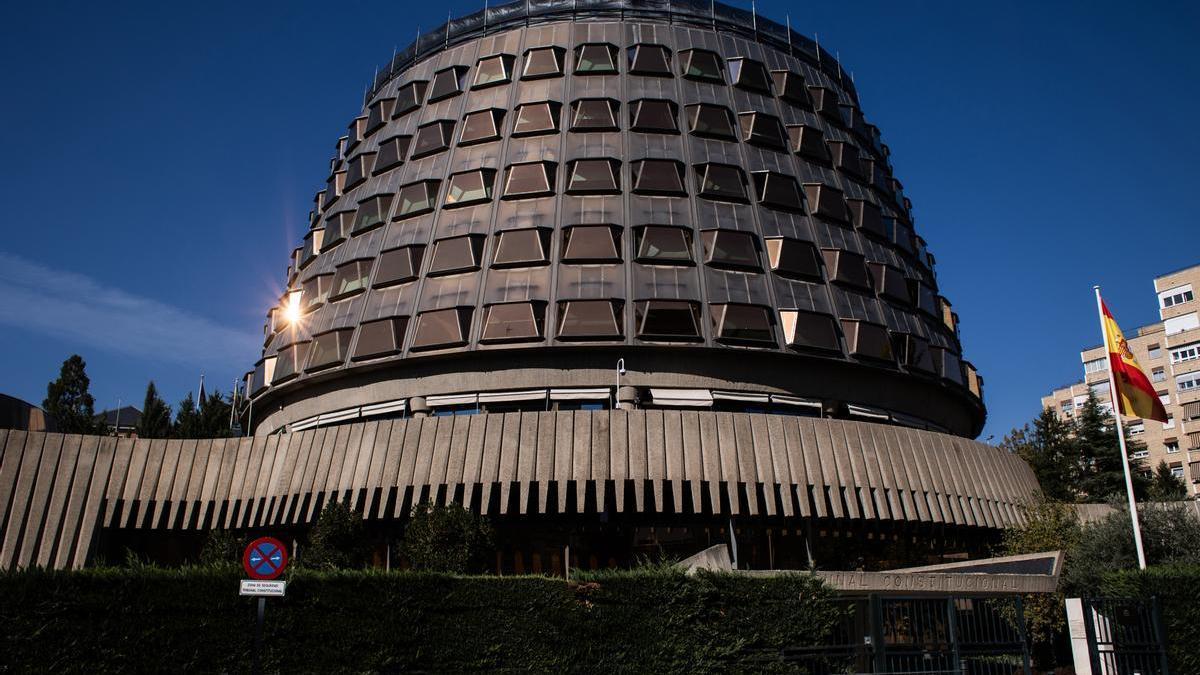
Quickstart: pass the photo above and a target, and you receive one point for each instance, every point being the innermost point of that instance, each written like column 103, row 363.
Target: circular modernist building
column 638, row 267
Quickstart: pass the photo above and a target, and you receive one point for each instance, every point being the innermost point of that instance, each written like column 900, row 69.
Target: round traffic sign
column 265, row 558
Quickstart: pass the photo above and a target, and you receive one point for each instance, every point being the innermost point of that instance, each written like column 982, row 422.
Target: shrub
column 337, row 541
column 446, row 539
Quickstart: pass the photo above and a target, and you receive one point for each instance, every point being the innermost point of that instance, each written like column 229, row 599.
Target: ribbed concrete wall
column 57, row 491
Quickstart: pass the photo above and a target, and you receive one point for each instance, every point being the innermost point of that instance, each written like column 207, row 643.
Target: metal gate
column 950, row 636
column 1125, row 636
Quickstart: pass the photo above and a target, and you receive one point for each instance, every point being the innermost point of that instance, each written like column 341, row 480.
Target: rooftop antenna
column 754, row 18
column 838, row 56
column 447, row 29
column 485, row 12
column 712, row 11
column 789, row 32
column 817, row 39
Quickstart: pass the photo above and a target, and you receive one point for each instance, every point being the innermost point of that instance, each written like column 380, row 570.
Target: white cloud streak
column 77, row 308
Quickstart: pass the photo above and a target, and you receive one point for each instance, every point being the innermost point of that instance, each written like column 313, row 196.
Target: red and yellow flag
column 1135, row 394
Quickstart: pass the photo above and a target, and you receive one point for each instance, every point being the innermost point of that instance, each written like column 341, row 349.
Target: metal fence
column 1125, row 636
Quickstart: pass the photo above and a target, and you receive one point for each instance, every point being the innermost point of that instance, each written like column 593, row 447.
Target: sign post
column 264, row 560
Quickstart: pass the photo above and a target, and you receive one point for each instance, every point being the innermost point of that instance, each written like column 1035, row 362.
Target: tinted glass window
column 378, row 114
column 826, row 201
column 650, row 60
column 329, row 349
column 518, row 248
column 825, row 101
column 513, row 321
column 446, row 83
column 410, row 97
column 913, row 351
column 470, row 187
column 728, row 248
column 777, row 191
column 493, row 70
column 658, row 177
column 762, row 129
column 845, row 158
column 701, row 64
column 481, row 126
column 392, row 153
column 289, row 362
column 595, row 59
column 794, row 258
column 750, row 74
column 791, row 87
column 653, row 116
column 668, row 320
column 316, row 291
column 534, row 179
column 742, row 323
column 456, row 254
column 380, row 338
column 536, row 118
column 350, row 279
column 808, row 142
column 847, row 267
column 711, row 121
column 543, row 62
column 416, row 198
column 867, row 217
column 582, row 319
column 399, row 265
column 372, row 213
column 359, row 168
column 661, row 244
column 889, row 282
column 442, row 328
column 432, row 138
column 593, row 176
column 591, row 243
column 337, row 228
column 813, row 330
column 866, row 339
column 721, row 182
column 594, row 114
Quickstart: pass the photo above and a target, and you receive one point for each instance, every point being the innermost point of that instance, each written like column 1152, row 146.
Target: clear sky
column 159, row 160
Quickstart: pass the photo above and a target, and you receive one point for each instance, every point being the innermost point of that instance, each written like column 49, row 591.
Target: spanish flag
column 1133, row 389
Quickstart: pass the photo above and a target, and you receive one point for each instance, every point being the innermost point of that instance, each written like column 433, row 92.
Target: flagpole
column 1116, row 404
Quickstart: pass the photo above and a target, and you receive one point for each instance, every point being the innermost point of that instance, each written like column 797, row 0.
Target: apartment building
column 1169, row 352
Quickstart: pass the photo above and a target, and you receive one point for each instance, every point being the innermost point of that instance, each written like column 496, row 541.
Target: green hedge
column 1178, row 590
column 157, row 620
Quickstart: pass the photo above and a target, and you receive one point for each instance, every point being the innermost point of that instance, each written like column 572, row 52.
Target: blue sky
column 160, row 159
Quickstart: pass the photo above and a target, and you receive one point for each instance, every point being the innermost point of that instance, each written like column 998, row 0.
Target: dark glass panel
column 447, row 83
column 809, row 142
column 763, row 130
column 337, row 228
column 889, row 282
column 493, row 70
column 481, row 126
column 380, row 338
column 664, row 244
column 711, row 121
column 654, row 116
column 668, row 320
column 794, row 258
column 730, row 248
column 826, row 201
column 522, row 248
column 845, row 158
column 536, row 118
column 456, row 254
column 350, row 279
column 358, row 168
column 398, row 265
column 329, row 349
column 372, row 213
column 946, row 363
column 595, row 59
column 594, row 319
column 654, row 60
column 543, row 62
column 825, row 101
column 847, row 267
column 658, row 177
column 812, row 330
column 534, row 179
column 591, row 244
column 924, row 297
column 514, row 321
column 790, row 87
column 354, row 133
column 416, row 198
column 777, row 191
column 333, row 189
column 410, row 97
column 721, row 182
column 749, row 74
column 913, row 351
column 868, row 340
column 594, row 114
column 442, row 328
column 378, row 115
column 701, row 64
column 867, row 218
column 594, row 176
column 432, row 138
column 738, row 323
column 392, row 153
column 469, row 187
column 315, row 291
column 289, row 362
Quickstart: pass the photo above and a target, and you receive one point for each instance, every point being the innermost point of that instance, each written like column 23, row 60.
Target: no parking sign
column 265, row 558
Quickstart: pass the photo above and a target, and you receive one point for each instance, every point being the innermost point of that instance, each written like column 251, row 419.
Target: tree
column 1166, row 486
column 68, row 400
column 214, row 415
column 337, row 541
column 1101, row 474
column 187, row 420
column 1169, row 536
column 1049, row 448
column 156, row 415
column 447, row 539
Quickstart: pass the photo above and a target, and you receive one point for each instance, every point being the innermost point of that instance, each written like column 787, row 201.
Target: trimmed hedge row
column 157, row 620
column 1178, row 590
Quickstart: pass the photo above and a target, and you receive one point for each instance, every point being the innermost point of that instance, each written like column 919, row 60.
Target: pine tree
column 214, row 415
column 156, row 415
column 1101, row 474
column 68, row 400
column 187, row 420
column 1047, row 445
column 1166, row 486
